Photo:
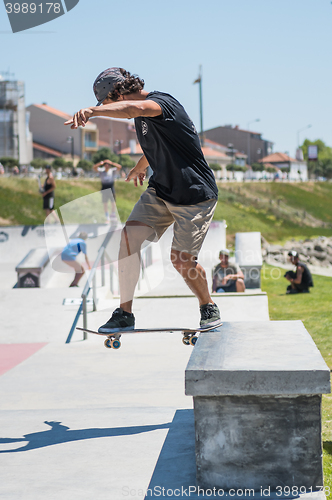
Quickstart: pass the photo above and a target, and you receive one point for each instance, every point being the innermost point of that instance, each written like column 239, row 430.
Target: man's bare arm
column 121, row 109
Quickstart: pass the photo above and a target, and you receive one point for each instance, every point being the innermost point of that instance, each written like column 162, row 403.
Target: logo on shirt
column 144, row 128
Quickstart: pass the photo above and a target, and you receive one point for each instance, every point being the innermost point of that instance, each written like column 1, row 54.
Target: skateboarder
column 226, row 276
column 182, row 189
column 69, row 254
column 300, row 279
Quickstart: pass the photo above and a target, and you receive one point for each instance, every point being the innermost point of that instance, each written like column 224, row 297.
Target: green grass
column 275, row 209
column 279, row 211
column 314, row 310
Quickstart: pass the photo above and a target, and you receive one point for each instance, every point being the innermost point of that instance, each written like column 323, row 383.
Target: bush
column 86, row 165
column 236, row 168
column 59, row 163
column 9, row 162
column 215, row 166
column 105, row 154
column 39, row 163
column 257, row 167
column 126, row 162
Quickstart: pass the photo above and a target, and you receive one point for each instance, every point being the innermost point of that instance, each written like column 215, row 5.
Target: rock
column 317, row 254
column 314, row 262
column 274, row 249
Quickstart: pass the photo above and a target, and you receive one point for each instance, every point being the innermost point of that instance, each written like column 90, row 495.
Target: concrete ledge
column 257, row 358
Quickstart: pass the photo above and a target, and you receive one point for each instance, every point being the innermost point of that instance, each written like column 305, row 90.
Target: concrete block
column 254, row 442
column 248, row 255
column 257, row 358
column 257, row 405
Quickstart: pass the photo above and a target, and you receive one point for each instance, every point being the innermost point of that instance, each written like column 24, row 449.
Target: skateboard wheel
column 108, row 343
column 186, row 340
column 193, row 340
column 116, row 344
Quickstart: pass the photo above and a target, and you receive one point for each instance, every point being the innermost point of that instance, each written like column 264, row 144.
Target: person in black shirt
column 301, row 279
column 48, row 194
column 182, row 189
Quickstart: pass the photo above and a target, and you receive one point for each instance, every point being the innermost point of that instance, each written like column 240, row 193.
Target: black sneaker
column 210, row 315
column 120, row 320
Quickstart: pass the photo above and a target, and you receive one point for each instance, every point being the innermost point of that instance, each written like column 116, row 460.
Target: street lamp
column 248, row 125
column 199, row 81
column 298, row 134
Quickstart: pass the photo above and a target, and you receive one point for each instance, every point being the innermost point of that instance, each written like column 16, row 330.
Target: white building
column 296, row 170
column 15, row 135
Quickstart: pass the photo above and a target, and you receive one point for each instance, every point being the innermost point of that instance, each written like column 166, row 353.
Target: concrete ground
column 79, row 421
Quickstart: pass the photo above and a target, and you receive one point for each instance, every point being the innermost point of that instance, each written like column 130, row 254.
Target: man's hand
column 80, row 118
column 138, row 172
column 137, row 177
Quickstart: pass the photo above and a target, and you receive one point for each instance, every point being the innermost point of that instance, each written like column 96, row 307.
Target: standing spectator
column 48, row 193
column 107, row 170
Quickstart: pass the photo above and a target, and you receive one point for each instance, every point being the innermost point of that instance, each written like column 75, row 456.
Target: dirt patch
column 5, row 222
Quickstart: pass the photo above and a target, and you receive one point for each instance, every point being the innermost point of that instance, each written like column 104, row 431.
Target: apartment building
column 15, row 135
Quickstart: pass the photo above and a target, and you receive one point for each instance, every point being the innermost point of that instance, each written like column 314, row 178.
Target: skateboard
column 189, row 334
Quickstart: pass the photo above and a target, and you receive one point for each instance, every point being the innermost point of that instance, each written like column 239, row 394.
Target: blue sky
column 263, row 59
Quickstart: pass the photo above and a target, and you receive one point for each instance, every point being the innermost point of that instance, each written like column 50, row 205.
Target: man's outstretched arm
column 121, row 109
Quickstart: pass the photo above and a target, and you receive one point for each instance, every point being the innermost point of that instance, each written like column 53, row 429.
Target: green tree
column 105, row 154
column 323, row 166
column 215, row 166
column 39, row 163
column 59, row 163
column 258, row 167
column 9, row 162
column 86, row 165
column 126, row 162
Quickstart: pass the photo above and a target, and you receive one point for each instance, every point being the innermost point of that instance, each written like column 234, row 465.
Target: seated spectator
column 300, row 279
column 226, row 276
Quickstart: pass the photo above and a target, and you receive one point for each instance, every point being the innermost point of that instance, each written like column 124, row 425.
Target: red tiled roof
column 214, row 144
column 54, row 111
column 45, row 149
column 277, row 158
column 62, row 114
column 213, row 152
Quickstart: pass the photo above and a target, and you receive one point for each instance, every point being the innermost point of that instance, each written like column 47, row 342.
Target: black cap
column 105, row 82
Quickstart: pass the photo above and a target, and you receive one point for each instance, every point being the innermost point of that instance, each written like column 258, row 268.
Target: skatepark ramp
column 248, row 255
column 257, row 390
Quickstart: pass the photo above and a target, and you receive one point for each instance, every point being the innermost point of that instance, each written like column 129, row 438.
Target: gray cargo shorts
column 191, row 222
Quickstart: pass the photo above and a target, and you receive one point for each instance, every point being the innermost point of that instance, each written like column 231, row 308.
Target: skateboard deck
column 113, row 339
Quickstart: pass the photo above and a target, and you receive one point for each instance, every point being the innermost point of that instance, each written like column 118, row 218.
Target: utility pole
column 199, row 81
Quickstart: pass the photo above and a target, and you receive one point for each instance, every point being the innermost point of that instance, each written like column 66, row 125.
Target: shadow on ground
column 59, row 433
